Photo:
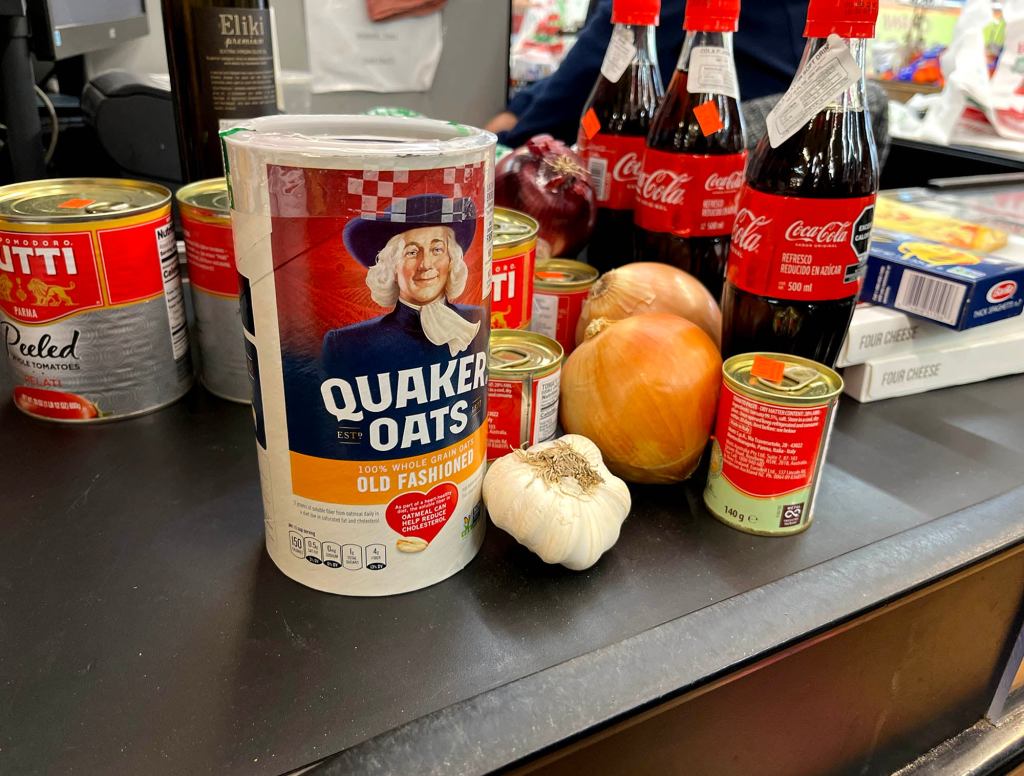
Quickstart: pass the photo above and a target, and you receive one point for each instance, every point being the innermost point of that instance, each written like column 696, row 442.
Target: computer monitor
column 66, row 28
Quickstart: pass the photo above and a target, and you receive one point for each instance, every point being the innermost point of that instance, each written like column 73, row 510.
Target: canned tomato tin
column 559, row 290
column 775, row 415
column 524, row 376
column 203, row 206
column 515, row 249
column 91, row 305
column 364, row 247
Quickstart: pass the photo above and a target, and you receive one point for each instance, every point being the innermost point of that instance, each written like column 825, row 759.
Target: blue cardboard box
column 956, row 288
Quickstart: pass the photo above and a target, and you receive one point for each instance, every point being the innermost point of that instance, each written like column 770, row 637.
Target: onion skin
column 644, row 389
column 650, row 287
column 547, row 180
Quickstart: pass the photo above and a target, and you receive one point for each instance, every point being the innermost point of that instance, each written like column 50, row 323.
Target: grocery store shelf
column 143, row 628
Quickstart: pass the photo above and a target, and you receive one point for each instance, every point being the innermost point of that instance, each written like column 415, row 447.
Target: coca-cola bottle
column 693, row 165
column 803, row 222
column 614, row 127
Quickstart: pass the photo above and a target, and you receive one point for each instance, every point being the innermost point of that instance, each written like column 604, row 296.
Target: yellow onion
column 650, row 287
column 644, row 389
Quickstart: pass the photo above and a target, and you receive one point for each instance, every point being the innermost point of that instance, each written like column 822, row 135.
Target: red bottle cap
column 635, row 11
column 711, row 15
column 846, row 18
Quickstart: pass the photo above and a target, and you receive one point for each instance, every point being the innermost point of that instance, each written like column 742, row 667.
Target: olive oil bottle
column 221, row 62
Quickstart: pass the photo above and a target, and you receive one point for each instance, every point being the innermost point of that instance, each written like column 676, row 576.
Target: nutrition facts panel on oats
column 352, row 557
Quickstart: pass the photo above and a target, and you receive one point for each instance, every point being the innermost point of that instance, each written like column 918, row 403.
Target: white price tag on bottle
column 711, row 71
column 621, row 52
column 829, row 73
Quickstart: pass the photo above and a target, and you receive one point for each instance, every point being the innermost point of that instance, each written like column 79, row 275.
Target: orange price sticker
column 75, row 203
column 591, row 124
column 708, row 117
column 770, row 369
column 546, row 275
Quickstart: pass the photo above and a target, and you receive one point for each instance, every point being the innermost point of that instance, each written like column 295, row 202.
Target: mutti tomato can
column 91, row 308
column 364, row 247
column 525, row 371
column 515, row 250
column 559, row 290
column 203, row 207
column 775, row 416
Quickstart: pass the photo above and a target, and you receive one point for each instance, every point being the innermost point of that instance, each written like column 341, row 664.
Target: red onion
column 546, row 180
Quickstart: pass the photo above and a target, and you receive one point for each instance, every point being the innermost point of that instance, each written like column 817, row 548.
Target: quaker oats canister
column 364, row 244
column 203, row 207
column 91, row 308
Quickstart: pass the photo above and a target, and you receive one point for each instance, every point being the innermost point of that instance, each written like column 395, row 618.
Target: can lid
column 517, row 354
column 210, row 194
column 563, row 275
column 635, row 11
column 79, row 199
column 513, row 228
column 781, row 377
column 846, row 18
column 712, row 15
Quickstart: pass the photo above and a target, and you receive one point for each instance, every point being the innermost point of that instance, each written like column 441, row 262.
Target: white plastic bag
column 972, row 105
column 348, row 52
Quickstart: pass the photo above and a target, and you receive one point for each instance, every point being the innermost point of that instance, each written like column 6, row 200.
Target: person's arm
column 554, row 104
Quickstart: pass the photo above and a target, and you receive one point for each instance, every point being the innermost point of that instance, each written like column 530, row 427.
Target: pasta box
column 957, row 288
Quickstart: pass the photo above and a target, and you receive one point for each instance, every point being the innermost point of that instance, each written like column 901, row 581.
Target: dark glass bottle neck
column 642, row 37
column 698, row 38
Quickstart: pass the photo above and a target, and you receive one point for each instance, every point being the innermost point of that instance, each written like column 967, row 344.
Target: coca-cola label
column 688, row 195
column 614, row 162
column 799, row 248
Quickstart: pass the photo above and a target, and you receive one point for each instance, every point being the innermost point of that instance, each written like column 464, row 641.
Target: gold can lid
column 782, row 378
column 563, row 275
column 512, row 228
column 79, row 199
column 210, row 195
column 517, row 354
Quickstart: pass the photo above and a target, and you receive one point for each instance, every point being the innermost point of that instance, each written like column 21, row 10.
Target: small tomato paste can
column 524, row 377
column 775, row 416
column 515, row 250
column 205, row 219
column 559, row 290
column 91, row 308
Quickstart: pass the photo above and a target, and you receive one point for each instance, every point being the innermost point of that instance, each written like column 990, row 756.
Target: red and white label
column 211, row 256
column 614, row 162
column 799, row 248
column 556, row 316
column 689, row 195
column 521, row 413
column 768, row 449
column 423, row 515
column 512, row 290
column 1001, row 291
column 48, row 276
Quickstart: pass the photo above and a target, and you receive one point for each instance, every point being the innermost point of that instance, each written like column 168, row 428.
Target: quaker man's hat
column 367, row 235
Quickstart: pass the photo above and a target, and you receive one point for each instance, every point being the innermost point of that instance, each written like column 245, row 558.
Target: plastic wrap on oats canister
column 364, row 245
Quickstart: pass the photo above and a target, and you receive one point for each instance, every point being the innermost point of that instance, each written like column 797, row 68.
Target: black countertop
column 144, row 630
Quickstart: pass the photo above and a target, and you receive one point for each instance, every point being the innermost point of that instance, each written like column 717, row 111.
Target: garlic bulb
column 558, row 500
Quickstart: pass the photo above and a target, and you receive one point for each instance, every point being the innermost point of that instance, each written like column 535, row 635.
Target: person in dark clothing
column 767, row 48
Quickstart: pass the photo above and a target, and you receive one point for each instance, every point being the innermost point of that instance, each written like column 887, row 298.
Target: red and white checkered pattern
column 382, row 192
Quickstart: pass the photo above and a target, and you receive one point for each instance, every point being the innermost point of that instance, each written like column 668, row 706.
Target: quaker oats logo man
column 414, row 253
